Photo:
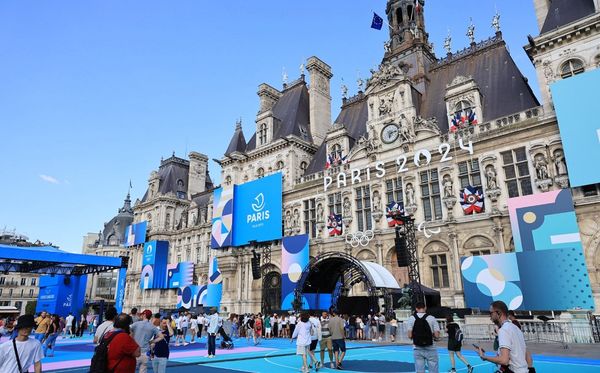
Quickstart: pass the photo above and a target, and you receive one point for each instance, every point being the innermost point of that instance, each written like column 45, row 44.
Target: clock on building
column 390, row 133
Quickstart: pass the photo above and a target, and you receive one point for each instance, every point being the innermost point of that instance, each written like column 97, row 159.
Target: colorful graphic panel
column 576, row 103
column 61, row 294
column 548, row 269
column 120, row 294
column 222, row 222
column 257, row 210
column 135, row 234
column 154, row 265
column 544, row 221
column 215, row 285
column 180, row 275
column 294, row 258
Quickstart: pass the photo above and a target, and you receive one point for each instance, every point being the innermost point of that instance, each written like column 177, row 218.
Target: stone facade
column 395, row 136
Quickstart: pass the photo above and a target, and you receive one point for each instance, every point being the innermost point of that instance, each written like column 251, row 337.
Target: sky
column 94, row 93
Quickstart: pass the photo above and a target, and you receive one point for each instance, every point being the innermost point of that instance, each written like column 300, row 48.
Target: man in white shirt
column 29, row 350
column 512, row 350
column 424, row 329
column 315, row 337
column 292, row 323
column 69, row 324
column 107, row 325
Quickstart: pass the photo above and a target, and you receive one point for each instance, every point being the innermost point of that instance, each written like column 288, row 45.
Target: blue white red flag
column 377, row 22
column 393, row 213
column 334, row 225
column 471, row 200
column 418, row 6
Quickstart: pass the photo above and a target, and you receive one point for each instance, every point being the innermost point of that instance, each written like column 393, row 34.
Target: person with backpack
column 455, row 338
column 21, row 352
column 117, row 350
column 423, row 329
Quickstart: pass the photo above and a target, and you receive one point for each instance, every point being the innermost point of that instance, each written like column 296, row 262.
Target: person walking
column 292, row 323
column 201, row 322
column 211, row 330
column 51, row 335
column 258, row 325
column 423, row 329
column 184, row 324
column 107, row 325
column 250, row 329
column 22, row 352
column 393, row 328
column 43, row 322
column 160, row 349
column 512, row 351
column 122, row 349
column 336, row 328
column 193, row 328
column 455, row 344
column 373, row 329
column 326, row 343
column 267, row 327
column 144, row 333
column 69, row 324
column 381, row 327
column 303, row 332
column 315, row 338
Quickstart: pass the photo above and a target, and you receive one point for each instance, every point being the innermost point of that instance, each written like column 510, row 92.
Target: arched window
column 279, row 165
column 463, row 115
column 260, row 172
column 262, row 134
column 336, row 150
column 228, row 180
column 303, row 166
column 571, row 67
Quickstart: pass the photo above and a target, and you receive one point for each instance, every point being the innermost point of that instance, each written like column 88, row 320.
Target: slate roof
column 503, row 88
column 117, row 225
column 238, row 141
column 562, row 12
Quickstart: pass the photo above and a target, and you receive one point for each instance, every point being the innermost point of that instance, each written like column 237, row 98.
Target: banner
column 120, row 293
column 257, row 210
column 577, row 110
column 180, row 275
column 191, row 296
column 135, row 234
column 222, row 222
column 154, row 265
column 294, row 258
column 61, row 294
column 548, row 269
column 215, row 285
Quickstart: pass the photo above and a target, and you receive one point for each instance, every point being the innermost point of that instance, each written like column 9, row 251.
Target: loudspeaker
column 67, row 280
column 255, row 262
column 401, row 250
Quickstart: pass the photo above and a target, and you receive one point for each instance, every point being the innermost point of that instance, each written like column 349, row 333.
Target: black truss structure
column 54, row 268
column 407, row 230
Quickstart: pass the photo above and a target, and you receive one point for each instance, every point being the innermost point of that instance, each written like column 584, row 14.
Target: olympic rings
column 359, row 238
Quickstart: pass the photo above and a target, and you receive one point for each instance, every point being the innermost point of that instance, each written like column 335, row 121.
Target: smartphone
column 477, row 348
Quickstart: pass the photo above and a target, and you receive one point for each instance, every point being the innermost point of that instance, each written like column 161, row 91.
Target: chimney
column 268, row 97
column 541, row 11
column 320, row 98
column 197, row 173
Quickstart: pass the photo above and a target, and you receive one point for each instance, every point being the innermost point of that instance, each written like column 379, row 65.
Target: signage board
column 154, row 265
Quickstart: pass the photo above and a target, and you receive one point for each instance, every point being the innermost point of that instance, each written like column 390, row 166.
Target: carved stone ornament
column 562, row 181
column 406, row 130
column 543, row 181
column 385, row 74
column 386, row 103
column 430, row 125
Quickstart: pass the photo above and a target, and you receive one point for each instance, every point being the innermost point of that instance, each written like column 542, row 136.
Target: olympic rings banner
column 359, row 238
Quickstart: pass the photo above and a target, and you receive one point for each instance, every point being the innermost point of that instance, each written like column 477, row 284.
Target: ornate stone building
column 418, row 131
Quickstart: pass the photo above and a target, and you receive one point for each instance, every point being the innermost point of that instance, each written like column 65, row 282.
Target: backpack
column 421, row 333
column 99, row 363
column 458, row 335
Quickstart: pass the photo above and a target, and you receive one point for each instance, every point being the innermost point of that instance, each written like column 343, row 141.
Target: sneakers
column 331, row 366
column 339, row 366
column 469, row 369
column 318, row 366
column 452, row 370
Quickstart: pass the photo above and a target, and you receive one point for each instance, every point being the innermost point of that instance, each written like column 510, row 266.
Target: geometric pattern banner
column 180, row 275
column 547, row 271
column 294, row 258
column 215, row 285
column 222, row 221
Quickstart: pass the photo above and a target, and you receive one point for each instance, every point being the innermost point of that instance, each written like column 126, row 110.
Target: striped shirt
column 325, row 332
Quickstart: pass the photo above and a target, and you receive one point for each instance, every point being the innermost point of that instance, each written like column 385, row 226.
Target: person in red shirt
column 122, row 350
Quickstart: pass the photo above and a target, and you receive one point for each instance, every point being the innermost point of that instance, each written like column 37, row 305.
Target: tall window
column 469, row 173
column 262, row 134
column 2, row 280
column 310, row 218
column 516, row 172
column 303, row 166
column 363, row 208
column 478, row 252
column 430, row 194
column 30, row 293
column 260, row 172
column 590, row 190
column 335, row 203
column 439, row 271
column 336, row 150
column 393, row 190
column 23, row 281
column 571, row 67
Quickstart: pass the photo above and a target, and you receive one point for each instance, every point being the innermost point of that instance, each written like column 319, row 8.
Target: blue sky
column 94, row 93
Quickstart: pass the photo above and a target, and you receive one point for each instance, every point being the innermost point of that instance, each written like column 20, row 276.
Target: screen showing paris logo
column 257, row 210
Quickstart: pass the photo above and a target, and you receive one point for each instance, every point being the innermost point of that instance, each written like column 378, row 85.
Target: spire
column 238, row 141
column 126, row 209
column 407, row 25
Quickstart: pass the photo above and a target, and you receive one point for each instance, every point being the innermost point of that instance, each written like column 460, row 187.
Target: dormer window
column 262, row 134
column 571, row 67
column 464, row 115
column 336, row 151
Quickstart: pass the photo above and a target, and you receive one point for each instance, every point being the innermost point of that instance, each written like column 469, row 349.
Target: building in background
column 430, row 130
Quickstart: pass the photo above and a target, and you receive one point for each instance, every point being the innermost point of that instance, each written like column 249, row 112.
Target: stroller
column 226, row 341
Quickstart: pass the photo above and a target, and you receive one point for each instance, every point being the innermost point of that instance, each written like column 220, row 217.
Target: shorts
column 302, row 350
column 267, row 330
column 454, row 345
column 382, row 328
column 326, row 344
column 313, row 344
column 339, row 345
column 258, row 332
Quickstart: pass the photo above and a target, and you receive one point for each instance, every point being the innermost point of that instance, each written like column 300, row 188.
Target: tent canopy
column 50, row 260
column 380, row 275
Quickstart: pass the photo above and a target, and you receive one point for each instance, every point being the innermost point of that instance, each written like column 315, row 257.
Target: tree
column 30, row 307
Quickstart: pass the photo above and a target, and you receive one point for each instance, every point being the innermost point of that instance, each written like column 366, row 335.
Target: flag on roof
column 418, row 6
column 471, row 200
column 334, row 225
column 377, row 22
column 393, row 213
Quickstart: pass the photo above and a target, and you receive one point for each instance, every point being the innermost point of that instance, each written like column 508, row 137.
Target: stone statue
column 410, row 195
column 347, row 207
column 405, row 131
column 448, row 43
column 387, row 46
column 541, row 168
column 284, row 77
column 490, row 175
column 385, row 104
column 496, row 22
column 448, row 187
column 288, row 219
column 344, row 91
column 320, row 213
column 376, row 202
column 361, row 84
column 296, row 219
column 471, row 32
column 301, row 69
column 560, row 163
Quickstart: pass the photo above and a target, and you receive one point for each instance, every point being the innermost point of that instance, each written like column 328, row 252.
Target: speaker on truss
column 401, row 249
column 255, row 262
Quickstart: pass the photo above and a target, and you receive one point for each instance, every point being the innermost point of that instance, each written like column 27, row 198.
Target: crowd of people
column 137, row 340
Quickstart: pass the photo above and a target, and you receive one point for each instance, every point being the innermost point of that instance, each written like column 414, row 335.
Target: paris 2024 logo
column 260, row 214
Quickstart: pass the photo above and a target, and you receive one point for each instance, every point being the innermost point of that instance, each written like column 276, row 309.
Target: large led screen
column 154, row 265
column 578, row 113
column 180, row 275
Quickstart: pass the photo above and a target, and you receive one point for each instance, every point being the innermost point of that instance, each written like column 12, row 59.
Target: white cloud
column 49, row 179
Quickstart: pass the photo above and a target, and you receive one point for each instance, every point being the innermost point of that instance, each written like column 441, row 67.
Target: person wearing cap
column 22, row 352
column 145, row 333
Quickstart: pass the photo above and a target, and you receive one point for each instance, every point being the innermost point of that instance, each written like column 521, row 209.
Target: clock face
column 390, row 133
